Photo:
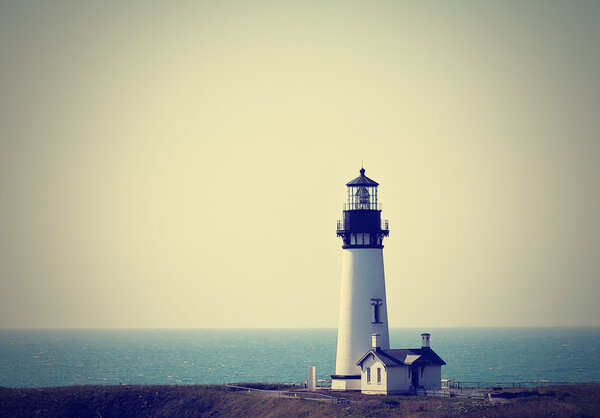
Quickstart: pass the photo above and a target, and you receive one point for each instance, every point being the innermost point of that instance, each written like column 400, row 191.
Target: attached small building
column 396, row 371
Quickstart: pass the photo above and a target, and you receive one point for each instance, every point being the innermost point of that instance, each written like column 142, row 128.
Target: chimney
column 425, row 340
column 375, row 343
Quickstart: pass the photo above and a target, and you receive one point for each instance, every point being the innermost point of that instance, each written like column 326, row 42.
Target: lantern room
column 361, row 226
column 362, row 193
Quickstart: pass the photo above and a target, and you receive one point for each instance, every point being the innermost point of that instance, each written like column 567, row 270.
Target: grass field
column 214, row 401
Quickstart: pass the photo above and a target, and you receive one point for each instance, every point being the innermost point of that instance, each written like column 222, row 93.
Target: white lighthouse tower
column 363, row 306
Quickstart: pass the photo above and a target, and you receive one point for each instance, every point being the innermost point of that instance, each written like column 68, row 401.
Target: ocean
column 43, row 358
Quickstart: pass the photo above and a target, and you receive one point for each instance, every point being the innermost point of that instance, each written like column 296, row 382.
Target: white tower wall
column 362, row 287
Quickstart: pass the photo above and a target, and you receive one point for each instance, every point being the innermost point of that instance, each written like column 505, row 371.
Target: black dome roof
column 362, row 180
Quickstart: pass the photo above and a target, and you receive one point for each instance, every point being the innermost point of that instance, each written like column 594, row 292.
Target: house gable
column 374, row 375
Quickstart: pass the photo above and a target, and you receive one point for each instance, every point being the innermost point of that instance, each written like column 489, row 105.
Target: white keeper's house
column 397, row 371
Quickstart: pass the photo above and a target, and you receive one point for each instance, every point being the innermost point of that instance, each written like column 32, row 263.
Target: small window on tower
column 376, row 314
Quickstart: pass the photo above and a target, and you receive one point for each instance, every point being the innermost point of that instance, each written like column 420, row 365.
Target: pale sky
column 184, row 164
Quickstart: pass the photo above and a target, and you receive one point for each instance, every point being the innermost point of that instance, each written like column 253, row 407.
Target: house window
column 378, row 376
column 375, row 314
column 368, row 375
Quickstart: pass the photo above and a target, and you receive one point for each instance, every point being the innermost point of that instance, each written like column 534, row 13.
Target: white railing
column 362, row 206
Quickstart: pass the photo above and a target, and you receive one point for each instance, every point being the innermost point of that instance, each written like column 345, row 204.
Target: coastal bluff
column 221, row 401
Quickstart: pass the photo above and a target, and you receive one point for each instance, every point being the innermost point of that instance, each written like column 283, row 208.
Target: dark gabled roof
column 362, row 180
column 385, row 359
column 405, row 357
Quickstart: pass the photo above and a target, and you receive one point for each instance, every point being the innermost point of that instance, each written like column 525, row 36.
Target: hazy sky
column 183, row 164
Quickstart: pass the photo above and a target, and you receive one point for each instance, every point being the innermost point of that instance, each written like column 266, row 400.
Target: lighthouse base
column 345, row 382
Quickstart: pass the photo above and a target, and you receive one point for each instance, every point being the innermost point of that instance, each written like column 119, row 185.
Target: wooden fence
column 291, row 394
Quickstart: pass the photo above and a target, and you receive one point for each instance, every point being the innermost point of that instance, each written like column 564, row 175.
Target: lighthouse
column 363, row 305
